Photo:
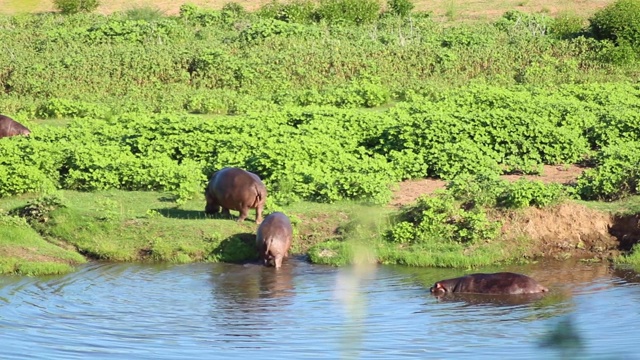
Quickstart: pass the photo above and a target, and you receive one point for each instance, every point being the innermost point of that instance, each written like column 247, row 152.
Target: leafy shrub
column 566, row 26
column 518, row 22
column 349, row 12
column 616, row 175
column 195, row 15
column 265, row 28
column 439, row 218
column 61, row 108
column 38, row 210
column 618, row 22
column 75, row 6
column 400, row 7
column 524, row 193
column 477, row 190
column 234, row 8
column 126, row 30
column 298, row 11
column 301, row 11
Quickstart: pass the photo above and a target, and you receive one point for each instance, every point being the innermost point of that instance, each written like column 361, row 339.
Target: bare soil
column 445, row 10
column 569, row 230
column 408, row 191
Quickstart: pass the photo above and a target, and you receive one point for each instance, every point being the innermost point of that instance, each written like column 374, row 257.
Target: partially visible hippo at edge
column 235, row 189
column 503, row 283
column 10, row 127
column 273, row 238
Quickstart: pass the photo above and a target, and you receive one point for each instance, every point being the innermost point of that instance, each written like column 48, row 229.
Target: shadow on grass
column 237, row 248
column 175, row 213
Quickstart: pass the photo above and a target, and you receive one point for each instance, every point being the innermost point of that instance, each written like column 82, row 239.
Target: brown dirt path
column 410, row 190
column 445, row 10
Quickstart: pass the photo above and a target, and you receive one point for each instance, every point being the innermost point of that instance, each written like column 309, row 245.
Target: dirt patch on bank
column 568, row 230
column 28, row 254
column 408, row 191
column 564, row 231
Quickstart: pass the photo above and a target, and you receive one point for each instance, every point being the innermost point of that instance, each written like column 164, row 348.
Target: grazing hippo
column 503, row 283
column 235, row 189
column 10, row 127
column 273, row 238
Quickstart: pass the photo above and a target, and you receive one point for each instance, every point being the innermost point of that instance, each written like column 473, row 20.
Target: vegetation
column 75, row 6
column 327, row 101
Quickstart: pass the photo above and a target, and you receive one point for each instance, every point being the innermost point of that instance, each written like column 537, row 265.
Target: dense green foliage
column 459, row 215
column 619, row 22
column 326, row 154
column 326, row 101
column 75, row 6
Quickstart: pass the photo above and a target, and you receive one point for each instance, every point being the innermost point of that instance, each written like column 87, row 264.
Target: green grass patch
column 150, row 226
column 627, row 206
column 23, row 251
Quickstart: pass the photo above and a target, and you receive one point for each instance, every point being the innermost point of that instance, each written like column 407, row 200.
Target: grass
column 23, row 251
column 464, row 10
column 626, row 206
column 150, row 226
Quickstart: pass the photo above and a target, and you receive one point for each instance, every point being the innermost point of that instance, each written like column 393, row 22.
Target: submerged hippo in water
column 273, row 239
column 503, row 283
column 10, row 127
column 235, row 189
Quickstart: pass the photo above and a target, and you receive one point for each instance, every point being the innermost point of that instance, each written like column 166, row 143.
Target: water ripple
column 124, row 311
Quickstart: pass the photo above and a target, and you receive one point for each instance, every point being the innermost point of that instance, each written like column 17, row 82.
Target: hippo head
column 438, row 288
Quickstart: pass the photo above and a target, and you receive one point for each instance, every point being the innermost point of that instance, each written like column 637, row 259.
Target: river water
column 305, row 311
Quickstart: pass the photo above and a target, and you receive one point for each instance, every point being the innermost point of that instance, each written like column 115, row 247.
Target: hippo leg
column 259, row 214
column 211, row 209
column 243, row 214
column 212, row 206
column 226, row 213
column 278, row 261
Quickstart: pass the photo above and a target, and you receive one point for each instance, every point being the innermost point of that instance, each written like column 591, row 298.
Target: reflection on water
column 125, row 311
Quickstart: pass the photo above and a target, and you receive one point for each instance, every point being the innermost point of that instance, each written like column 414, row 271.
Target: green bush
column 440, row 218
column 75, row 6
column 349, row 12
column 300, row 11
column 524, row 193
column 38, row 210
column 618, row 22
column 616, row 175
column 400, row 7
column 566, row 26
column 477, row 190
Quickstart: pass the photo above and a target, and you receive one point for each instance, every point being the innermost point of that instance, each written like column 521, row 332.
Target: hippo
column 10, row 127
column 503, row 283
column 235, row 189
column 273, row 238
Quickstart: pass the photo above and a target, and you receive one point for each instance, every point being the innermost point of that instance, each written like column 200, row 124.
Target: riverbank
column 73, row 227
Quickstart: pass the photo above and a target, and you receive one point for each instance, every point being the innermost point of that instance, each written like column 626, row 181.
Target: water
column 305, row 311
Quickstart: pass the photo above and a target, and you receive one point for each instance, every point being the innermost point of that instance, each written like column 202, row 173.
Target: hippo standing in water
column 503, row 283
column 273, row 238
column 10, row 127
column 235, row 189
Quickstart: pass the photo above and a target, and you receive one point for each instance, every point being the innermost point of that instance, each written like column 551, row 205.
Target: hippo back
column 234, row 187
column 10, row 127
column 276, row 226
column 496, row 283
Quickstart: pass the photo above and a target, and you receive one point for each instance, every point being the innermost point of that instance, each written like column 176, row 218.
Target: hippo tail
column 268, row 243
column 261, row 194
